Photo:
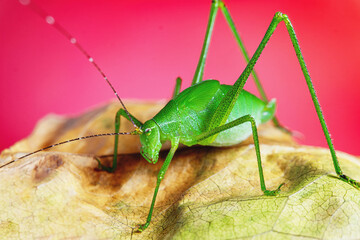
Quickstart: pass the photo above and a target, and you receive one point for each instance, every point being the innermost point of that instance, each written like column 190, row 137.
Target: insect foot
column 103, row 167
column 274, row 192
column 351, row 181
column 142, row 227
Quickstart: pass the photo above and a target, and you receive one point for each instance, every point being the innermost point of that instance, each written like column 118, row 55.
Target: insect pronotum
column 211, row 133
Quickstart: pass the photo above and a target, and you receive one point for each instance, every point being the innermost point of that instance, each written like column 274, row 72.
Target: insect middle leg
column 177, row 87
column 205, row 139
column 119, row 113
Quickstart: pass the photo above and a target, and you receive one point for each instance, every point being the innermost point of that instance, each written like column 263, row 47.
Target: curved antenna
column 71, row 140
column 51, row 21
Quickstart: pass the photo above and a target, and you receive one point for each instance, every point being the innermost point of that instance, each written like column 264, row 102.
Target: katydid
column 207, row 113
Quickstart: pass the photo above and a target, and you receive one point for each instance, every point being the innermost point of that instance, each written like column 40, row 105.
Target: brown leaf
column 206, row 193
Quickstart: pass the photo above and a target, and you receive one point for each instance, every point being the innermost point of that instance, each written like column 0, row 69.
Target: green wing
column 198, row 96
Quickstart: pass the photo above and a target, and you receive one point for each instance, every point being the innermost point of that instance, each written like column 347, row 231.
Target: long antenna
column 71, row 140
column 51, row 20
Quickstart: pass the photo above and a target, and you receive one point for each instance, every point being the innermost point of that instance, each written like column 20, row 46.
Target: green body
column 189, row 113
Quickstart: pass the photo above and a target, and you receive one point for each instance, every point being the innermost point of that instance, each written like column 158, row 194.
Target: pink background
column 144, row 45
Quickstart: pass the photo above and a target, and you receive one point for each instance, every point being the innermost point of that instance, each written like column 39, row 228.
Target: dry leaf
column 207, row 192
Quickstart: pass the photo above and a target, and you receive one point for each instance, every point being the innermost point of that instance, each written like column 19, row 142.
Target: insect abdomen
column 246, row 104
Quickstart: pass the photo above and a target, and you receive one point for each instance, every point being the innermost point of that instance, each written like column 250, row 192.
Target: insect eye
column 147, row 131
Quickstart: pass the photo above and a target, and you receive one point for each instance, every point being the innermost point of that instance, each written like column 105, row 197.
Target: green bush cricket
column 208, row 113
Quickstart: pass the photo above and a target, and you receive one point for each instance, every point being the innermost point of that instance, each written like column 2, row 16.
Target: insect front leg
column 174, row 146
column 119, row 113
column 205, row 138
